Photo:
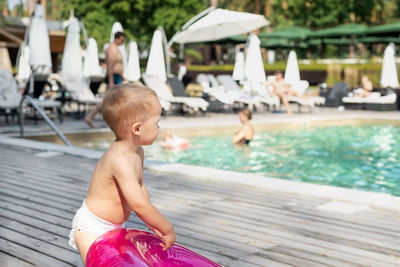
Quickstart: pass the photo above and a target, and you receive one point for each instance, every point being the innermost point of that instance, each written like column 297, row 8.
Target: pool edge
column 381, row 201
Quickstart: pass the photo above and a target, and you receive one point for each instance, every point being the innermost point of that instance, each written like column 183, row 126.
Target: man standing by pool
column 115, row 70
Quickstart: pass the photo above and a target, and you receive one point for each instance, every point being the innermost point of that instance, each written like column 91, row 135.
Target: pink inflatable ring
column 134, row 248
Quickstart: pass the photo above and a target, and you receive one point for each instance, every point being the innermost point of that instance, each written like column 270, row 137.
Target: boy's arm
column 141, row 155
column 127, row 175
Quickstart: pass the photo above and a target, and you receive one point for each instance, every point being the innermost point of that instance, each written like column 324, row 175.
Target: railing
column 44, row 116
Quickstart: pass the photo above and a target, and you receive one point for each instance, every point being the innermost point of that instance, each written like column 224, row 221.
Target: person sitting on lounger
column 365, row 90
column 282, row 90
column 246, row 133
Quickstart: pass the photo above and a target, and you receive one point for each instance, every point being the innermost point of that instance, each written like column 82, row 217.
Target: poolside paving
column 231, row 223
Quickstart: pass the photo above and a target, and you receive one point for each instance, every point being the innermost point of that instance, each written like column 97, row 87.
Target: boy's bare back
column 104, row 196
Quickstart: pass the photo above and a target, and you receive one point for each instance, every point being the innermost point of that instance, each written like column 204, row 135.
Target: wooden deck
column 231, row 224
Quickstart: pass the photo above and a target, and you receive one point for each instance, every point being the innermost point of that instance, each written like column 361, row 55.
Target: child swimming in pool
column 246, row 133
column 116, row 188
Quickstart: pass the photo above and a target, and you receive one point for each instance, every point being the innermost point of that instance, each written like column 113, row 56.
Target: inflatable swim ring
column 134, row 248
column 175, row 143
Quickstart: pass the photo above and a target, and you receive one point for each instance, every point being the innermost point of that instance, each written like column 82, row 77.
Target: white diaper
column 86, row 221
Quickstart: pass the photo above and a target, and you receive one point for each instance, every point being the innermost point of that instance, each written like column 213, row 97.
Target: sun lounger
column 212, row 88
column 185, row 104
column 240, row 97
column 215, row 94
column 262, row 95
column 177, row 87
column 79, row 91
column 9, row 95
column 78, row 87
column 40, row 98
column 335, row 95
column 375, row 101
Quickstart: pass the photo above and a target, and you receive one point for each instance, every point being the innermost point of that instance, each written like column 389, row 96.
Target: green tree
column 138, row 17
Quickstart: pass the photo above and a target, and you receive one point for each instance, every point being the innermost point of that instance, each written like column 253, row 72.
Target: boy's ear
column 136, row 128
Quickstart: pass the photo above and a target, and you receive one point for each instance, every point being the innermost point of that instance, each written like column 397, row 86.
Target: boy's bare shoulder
column 117, row 157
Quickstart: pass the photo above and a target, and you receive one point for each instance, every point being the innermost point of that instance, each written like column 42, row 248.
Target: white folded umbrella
column 24, row 70
column 254, row 67
column 72, row 57
column 133, row 69
column 91, row 65
column 238, row 69
column 39, row 44
column 156, row 60
column 389, row 76
column 292, row 73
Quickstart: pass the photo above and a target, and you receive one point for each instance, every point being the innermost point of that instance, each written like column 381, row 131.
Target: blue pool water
column 361, row 157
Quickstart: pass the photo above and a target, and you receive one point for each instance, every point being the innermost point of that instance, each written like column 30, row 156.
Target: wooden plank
column 10, row 261
column 57, row 227
column 44, row 248
column 224, row 222
column 29, row 255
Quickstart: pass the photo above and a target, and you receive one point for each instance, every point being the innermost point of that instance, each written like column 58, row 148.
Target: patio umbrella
column 214, row 24
column 290, row 33
column 389, row 76
column 351, row 29
column 91, row 66
column 133, row 69
column 238, row 69
column 156, row 61
column 391, row 29
column 72, row 57
column 379, row 39
column 24, row 70
column 254, row 67
column 40, row 56
column 292, row 73
column 117, row 27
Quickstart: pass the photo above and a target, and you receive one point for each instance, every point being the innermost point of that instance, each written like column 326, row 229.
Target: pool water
column 365, row 157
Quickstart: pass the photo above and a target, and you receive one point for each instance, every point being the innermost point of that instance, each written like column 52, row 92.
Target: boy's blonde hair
column 126, row 103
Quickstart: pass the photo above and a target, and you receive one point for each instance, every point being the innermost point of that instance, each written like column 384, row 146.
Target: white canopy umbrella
column 117, row 27
column 238, row 69
column 24, row 70
column 213, row 24
column 254, row 68
column 156, row 60
column 91, row 66
column 72, row 58
column 292, row 72
column 133, row 69
column 39, row 44
column 389, row 76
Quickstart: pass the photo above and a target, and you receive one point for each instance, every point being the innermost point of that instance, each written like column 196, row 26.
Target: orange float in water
column 175, row 143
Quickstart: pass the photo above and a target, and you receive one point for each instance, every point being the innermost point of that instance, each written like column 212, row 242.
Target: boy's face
column 149, row 129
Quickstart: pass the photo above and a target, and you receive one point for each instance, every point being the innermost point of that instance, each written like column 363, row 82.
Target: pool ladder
column 44, row 116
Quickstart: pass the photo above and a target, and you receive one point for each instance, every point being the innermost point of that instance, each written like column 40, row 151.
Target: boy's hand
column 168, row 239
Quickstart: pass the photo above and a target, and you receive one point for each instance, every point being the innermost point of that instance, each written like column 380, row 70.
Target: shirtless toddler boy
column 116, row 188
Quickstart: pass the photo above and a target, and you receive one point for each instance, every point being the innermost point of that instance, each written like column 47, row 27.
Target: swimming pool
column 362, row 157
column 365, row 156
